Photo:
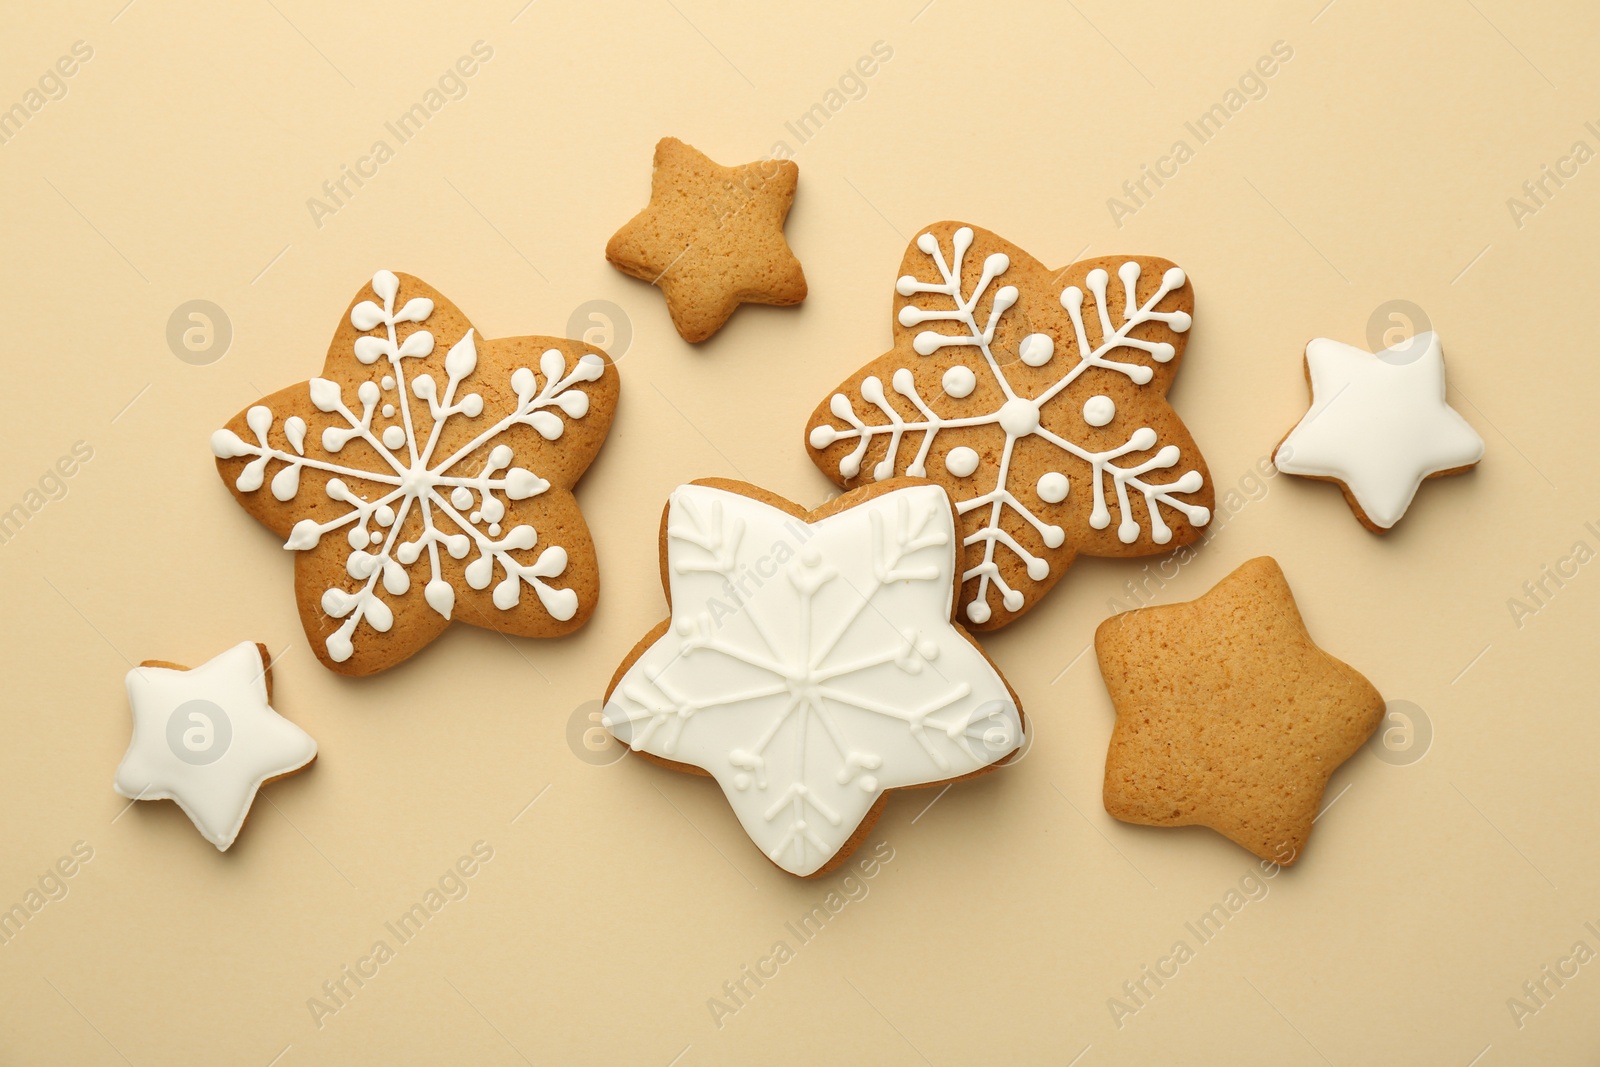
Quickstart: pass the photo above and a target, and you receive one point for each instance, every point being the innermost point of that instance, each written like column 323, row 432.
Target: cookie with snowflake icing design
column 427, row 476
column 811, row 663
column 1037, row 398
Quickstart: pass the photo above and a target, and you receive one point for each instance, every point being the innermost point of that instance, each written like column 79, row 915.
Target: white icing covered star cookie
column 207, row 739
column 1378, row 426
column 811, row 662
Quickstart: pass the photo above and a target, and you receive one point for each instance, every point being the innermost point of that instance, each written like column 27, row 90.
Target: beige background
column 1376, row 167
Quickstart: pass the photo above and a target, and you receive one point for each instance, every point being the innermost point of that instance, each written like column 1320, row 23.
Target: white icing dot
column 869, row 784
column 1052, row 487
column 394, row 437
column 959, row 381
column 1036, row 349
column 961, row 461
column 388, row 411
column 476, row 516
column 494, row 529
column 1099, row 410
column 384, row 515
column 376, row 537
column 388, row 381
column 461, row 497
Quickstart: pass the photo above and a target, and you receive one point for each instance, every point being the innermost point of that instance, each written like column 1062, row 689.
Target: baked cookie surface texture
column 427, row 476
column 1228, row 714
column 1037, row 399
column 810, row 664
column 711, row 238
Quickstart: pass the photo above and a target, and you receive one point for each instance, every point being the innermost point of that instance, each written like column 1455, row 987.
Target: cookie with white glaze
column 811, row 664
column 1378, row 427
column 208, row 739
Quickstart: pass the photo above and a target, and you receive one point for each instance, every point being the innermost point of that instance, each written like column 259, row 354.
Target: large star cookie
column 810, row 664
column 1037, row 398
column 1378, row 426
column 1228, row 715
column 712, row 238
column 208, row 739
column 427, row 476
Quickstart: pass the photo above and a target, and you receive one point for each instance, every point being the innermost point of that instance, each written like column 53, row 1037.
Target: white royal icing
column 809, row 668
column 1018, row 416
column 460, row 509
column 1379, row 423
column 206, row 738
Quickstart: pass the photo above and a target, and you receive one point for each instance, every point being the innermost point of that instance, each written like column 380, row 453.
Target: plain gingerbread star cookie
column 711, row 238
column 1228, row 714
column 208, row 739
column 1378, row 426
column 810, row 664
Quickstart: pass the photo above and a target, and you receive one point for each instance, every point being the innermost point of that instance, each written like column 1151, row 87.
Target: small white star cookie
column 208, row 739
column 1378, row 426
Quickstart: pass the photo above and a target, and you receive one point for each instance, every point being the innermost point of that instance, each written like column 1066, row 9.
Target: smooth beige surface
column 1376, row 167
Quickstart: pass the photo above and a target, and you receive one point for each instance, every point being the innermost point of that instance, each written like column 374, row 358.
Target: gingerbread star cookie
column 208, row 739
column 427, row 476
column 711, row 238
column 1228, row 714
column 811, row 664
column 1378, row 426
column 1037, row 398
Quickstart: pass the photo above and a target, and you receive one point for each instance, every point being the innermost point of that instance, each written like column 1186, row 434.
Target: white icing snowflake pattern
column 1111, row 476
column 459, row 509
column 810, row 668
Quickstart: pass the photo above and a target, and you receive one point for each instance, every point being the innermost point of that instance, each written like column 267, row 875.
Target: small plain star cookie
column 811, row 663
column 1228, row 714
column 208, row 739
column 711, row 238
column 1378, row 426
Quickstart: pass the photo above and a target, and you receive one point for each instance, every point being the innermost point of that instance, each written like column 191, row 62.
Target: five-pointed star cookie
column 810, row 664
column 712, row 238
column 1228, row 714
column 208, row 739
column 1378, row 426
column 427, row 476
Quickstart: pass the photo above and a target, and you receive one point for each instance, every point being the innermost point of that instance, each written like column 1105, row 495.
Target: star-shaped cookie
column 712, row 237
column 426, row 476
column 810, row 664
column 1228, row 714
column 207, row 738
column 1378, row 426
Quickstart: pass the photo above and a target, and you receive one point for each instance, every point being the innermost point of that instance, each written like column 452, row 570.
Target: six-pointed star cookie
column 208, row 739
column 1037, row 398
column 1228, row 715
column 811, row 663
column 712, row 238
column 1378, row 426
column 427, row 476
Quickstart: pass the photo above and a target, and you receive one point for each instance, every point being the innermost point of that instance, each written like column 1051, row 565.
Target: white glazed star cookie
column 208, row 739
column 811, row 662
column 1378, row 426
